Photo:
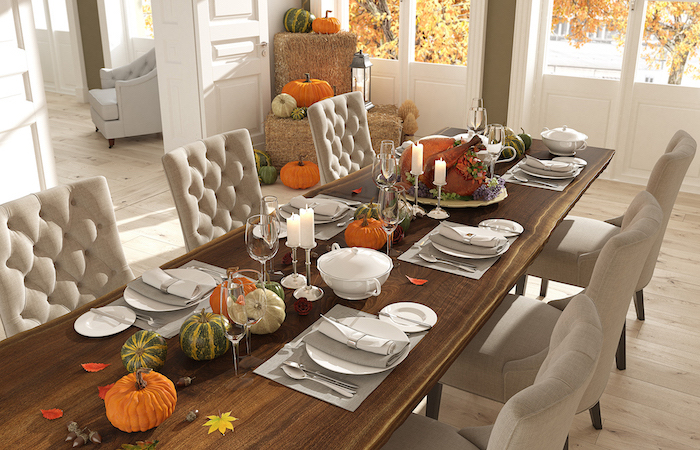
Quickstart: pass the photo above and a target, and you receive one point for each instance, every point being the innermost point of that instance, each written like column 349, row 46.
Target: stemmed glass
column 262, row 238
column 476, row 117
column 246, row 304
column 391, row 210
column 270, row 207
column 385, row 165
column 495, row 137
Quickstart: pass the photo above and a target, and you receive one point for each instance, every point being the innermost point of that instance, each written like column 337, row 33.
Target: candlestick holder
column 417, row 209
column 294, row 280
column 439, row 213
column 311, row 293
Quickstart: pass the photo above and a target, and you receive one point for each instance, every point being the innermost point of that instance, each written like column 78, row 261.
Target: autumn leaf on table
column 52, row 414
column 357, row 191
column 94, row 367
column 140, row 445
column 102, row 390
column 416, row 281
column 221, row 423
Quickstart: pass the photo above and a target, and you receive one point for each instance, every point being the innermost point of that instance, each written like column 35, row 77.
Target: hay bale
column 324, row 56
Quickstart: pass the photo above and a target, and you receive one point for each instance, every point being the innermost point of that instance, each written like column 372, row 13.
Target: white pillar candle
column 293, row 230
column 440, row 171
column 306, row 235
column 417, row 159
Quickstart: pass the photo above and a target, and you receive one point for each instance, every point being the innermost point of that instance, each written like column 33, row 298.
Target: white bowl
column 563, row 141
column 354, row 273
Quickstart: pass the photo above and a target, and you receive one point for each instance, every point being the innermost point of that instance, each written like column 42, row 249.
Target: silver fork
column 319, row 374
column 529, row 180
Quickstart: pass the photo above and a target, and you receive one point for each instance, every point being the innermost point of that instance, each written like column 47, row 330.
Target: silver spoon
column 526, row 180
column 350, row 386
column 148, row 319
column 434, row 259
column 299, row 374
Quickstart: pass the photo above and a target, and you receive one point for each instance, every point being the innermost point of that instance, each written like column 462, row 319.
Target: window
column 142, row 22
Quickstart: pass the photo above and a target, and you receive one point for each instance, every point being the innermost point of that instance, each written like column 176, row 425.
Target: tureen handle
column 378, row 287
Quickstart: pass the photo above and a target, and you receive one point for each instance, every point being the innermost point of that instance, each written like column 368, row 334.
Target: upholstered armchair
column 341, row 135
column 128, row 103
column 59, row 249
column 214, row 184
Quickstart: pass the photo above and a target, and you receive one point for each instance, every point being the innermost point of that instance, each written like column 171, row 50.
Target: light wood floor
column 654, row 404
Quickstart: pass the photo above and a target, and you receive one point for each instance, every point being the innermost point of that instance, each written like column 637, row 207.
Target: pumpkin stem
column 327, row 12
column 308, row 78
column 301, row 163
column 140, row 382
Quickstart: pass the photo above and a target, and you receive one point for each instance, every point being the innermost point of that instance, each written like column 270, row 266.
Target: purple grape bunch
column 490, row 190
column 423, row 191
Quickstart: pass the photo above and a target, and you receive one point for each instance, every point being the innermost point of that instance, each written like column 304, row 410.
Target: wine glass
column 476, row 117
column 246, row 304
column 262, row 238
column 495, row 137
column 270, row 206
column 391, row 210
column 385, row 165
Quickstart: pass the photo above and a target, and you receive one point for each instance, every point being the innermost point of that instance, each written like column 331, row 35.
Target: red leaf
column 357, row 191
column 416, row 281
column 52, row 413
column 94, row 367
column 103, row 390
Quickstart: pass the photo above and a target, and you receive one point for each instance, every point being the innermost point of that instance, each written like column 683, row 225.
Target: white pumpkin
column 274, row 313
column 283, row 105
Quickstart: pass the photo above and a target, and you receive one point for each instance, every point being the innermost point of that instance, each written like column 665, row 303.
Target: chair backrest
column 614, row 280
column 341, row 135
column 139, row 67
column 539, row 416
column 664, row 183
column 59, row 249
column 214, row 184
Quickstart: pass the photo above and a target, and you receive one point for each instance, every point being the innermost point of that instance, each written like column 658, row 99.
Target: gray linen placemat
column 561, row 184
column 424, row 245
column 295, row 351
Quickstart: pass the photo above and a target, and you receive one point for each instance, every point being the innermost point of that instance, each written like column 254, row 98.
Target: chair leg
column 639, row 304
column 432, row 409
column 111, row 143
column 621, row 354
column 595, row 416
column 543, row 287
column 520, row 285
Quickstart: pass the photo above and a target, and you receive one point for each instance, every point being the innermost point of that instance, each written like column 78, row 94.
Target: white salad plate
column 409, row 310
column 92, row 324
column 144, row 303
column 571, row 160
column 458, row 254
column 552, row 175
column 368, row 325
column 508, row 228
column 318, row 220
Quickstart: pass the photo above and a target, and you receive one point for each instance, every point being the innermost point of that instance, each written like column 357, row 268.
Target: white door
column 26, row 155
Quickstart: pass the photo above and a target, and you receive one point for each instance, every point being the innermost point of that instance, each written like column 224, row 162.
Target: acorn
column 183, row 382
column 95, row 437
column 71, row 436
column 191, row 416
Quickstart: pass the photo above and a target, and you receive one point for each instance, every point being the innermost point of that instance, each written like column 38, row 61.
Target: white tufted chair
column 341, row 135
column 59, row 249
column 214, row 184
column 128, row 103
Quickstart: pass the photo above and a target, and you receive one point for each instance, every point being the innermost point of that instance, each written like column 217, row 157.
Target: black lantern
column 361, row 77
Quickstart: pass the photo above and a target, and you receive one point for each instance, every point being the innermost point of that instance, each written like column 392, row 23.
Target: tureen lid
column 563, row 134
column 354, row 263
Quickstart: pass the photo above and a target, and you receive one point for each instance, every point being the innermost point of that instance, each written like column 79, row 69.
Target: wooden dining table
column 41, row 368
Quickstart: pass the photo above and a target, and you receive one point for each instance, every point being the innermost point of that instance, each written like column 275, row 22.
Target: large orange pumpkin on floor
column 140, row 401
column 308, row 91
column 300, row 174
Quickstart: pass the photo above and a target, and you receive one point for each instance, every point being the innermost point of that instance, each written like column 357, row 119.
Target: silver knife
column 100, row 312
column 394, row 316
column 325, row 377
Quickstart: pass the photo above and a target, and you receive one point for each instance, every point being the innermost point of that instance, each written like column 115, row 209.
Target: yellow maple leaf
column 221, row 423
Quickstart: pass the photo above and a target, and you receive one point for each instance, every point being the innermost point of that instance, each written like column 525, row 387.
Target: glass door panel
column 376, row 23
column 442, row 31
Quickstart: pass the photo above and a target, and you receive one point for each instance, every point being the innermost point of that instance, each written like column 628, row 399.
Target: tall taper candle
column 417, row 159
column 440, row 171
column 293, row 231
column 306, row 237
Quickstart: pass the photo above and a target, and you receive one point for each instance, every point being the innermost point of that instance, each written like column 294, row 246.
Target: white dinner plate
column 571, row 160
column 506, row 227
column 409, row 310
column 458, row 254
column 317, row 220
column 144, row 303
column 92, row 324
column 368, row 325
column 553, row 175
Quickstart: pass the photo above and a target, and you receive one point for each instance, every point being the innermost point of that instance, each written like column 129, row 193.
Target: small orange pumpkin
column 365, row 232
column 309, row 91
column 326, row 25
column 300, row 174
column 214, row 297
column 140, row 401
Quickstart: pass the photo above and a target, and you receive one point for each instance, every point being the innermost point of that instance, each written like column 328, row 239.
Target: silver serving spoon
column 299, row 374
column 433, row 259
column 527, row 180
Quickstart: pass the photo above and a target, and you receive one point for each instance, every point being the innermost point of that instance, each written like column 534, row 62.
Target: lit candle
column 417, row 159
column 306, row 233
column 293, row 230
column 440, row 170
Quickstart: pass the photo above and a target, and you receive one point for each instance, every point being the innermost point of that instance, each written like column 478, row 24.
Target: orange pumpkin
column 326, row 25
column 366, row 233
column 214, row 298
column 300, row 174
column 140, row 401
column 309, row 91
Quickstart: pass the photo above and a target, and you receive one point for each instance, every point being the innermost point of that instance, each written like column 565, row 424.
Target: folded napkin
column 461, row 247
column 154, row 282
column 548, row 166
column 321, row 206
column 471, row 235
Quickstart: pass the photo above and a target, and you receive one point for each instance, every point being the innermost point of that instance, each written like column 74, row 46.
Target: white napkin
column 159, row 279
column 554, row 166
column 471, row 235
column 357, row 339
column 321, row 206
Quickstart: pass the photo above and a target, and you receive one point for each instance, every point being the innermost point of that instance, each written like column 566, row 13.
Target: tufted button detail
column 99, row 226
column 73, row 202
column 87, row 252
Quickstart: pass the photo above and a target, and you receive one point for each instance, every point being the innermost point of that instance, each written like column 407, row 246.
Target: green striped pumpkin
column 203, row 336
column 145, row 349
column 371, row 210
column 297, row 20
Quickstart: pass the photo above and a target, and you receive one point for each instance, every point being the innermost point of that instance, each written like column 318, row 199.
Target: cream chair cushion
column 507, row 352
column 538, row 417
column 214, row 184
column 341, row 135
column 59, row 249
